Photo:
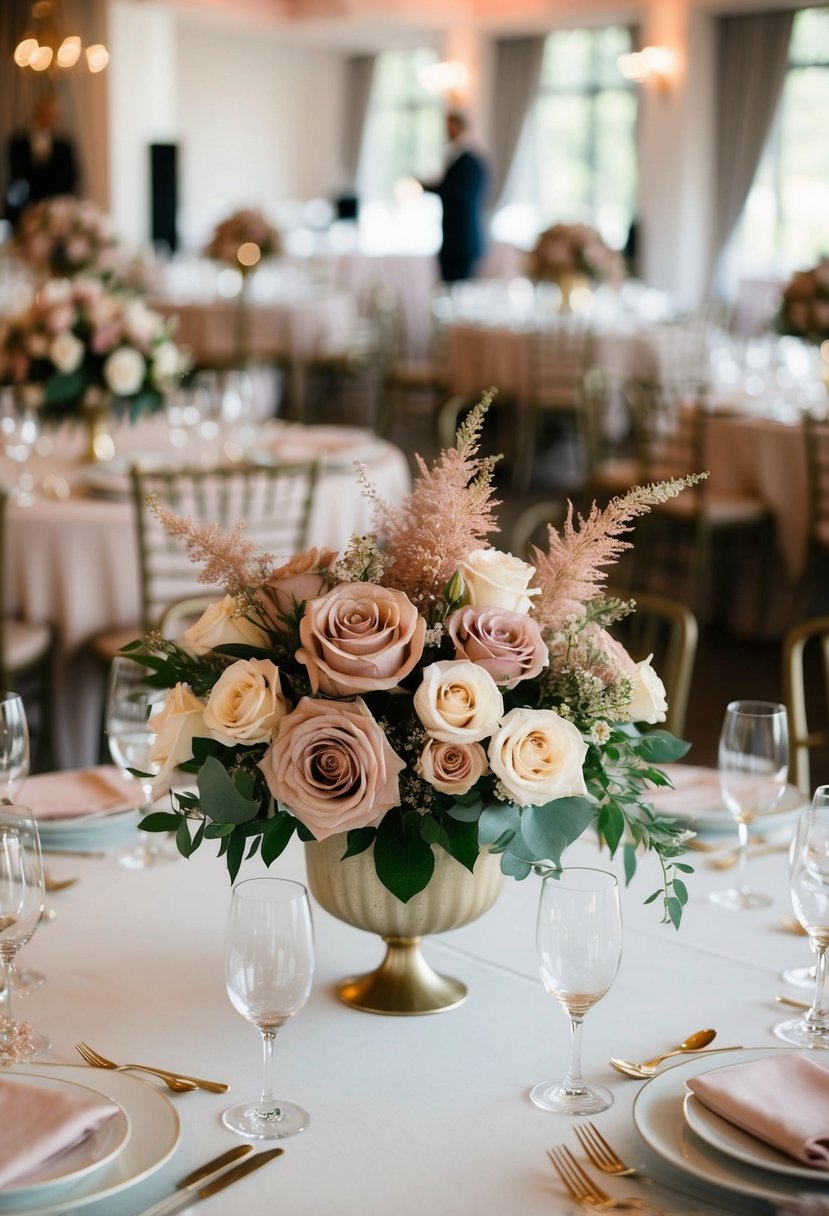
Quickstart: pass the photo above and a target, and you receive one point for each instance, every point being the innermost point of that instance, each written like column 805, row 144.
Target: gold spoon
column 695, row 1042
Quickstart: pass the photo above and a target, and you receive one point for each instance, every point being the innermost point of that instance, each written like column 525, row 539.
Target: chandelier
column 47, row 47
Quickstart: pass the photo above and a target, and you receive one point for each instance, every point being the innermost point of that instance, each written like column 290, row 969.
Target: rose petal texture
column 246, row 703
column 508, row 645
column 220, row 625
column 650, row 702
column 452, row 768
column 359, row 638
column 299, row 580
column 331, row 764
column 498, row 580
column 538, row 757
column 178, row 723
column 458, row 702
column 124, row 371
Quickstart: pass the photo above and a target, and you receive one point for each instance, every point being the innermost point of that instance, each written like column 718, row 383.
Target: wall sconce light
column 448, row 79
column 652, row 63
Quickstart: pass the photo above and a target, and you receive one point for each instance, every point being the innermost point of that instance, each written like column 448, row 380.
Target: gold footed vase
column 100, row 446
column 404, row 985
column 568, row 284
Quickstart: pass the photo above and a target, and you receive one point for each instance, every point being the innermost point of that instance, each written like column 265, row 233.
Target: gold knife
column 185, row 1188
column 788, row 1000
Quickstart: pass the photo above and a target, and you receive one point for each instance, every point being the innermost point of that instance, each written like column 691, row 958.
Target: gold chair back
column 802, row 740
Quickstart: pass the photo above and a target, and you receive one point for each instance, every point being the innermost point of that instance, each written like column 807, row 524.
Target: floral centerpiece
column 569, row 250
column 436, row 692
column 64, row 236
column 804, row 308
column 243, row 240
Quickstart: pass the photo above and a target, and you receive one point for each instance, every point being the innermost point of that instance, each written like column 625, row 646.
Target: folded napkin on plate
column 82, row 791
column 695, row 789
column 783, row 1100
column 38, row 1123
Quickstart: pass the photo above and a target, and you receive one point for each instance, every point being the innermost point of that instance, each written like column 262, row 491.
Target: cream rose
column 221, row 625
column 166, row 362
column 538, row 757
column 124, row 371
column 299, row 580
column 66, row 352
column 649, row 703
column 359, row 638
column 246, row 704
column 452, row 768
column 508, row 644
column 458, row 702
column 333, row 767
column 498, row 580
column 179, row 722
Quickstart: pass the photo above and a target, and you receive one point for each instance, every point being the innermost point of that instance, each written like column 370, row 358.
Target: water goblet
column 578, row 947
column 20, row 427
column 269, row 966
column 753, row 766
column 21, row 907
column 804, row 977
column 14, row 745
column 809, row 888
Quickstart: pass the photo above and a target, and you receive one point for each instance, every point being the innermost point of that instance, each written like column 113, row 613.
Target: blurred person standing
column 41, row 163
column 462, row 191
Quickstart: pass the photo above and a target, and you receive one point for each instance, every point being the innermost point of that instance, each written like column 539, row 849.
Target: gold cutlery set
column 213, row 1177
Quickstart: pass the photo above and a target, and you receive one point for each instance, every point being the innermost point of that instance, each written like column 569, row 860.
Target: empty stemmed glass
column 21, row 907
column 578, row 947
column 809, row 888
column 804, row 977
column 269, row 966
column 20, row 427
column 14, row 745
column 753, row 766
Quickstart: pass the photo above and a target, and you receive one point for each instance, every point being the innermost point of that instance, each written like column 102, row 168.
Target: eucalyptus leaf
column 547, row 830
column 220, row 799
column 515, row 867
column 659, row 747
column 466, row 812
column 496, row 820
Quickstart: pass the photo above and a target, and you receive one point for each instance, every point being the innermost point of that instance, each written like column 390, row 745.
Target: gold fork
column 587, row 1194
column 177, row 1084
column 51, row 884
column 98, row 1061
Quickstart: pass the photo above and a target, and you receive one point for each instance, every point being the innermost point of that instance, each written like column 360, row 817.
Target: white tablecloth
column 408, row 1115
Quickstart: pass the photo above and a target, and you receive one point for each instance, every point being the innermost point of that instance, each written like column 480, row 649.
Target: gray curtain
column 19, row 89
column 517, row 71
column 751, row 68
column 359, row 73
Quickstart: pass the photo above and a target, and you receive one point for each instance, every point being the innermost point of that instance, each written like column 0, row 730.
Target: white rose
column 538, row 757
column 497, row 580
column 141, row 323
column 246, row 703
column 179, row 722
column 221, row 625
column 55, row 291
column 124, row 371
column 66, row 352
column 649, row 703
column 166, row 362
column 458, row 702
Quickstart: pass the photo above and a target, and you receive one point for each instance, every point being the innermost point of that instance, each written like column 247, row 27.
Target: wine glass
column 14, row 744
column 21, row 906
column 20, row 427
column 130, row 735
column 578, row 947
column 804, row 977
column 753, row 764
column 269, row 965
column 809, row 888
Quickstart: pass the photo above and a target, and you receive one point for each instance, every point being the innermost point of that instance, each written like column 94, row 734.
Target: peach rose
column 221, row 625
column 458, row 702
column 506, row 644
column 297, row 581
column 452, row 768
column 538, row 757
column 179, row 722
column 359, row 638
column 246, row 703
column 331, row 764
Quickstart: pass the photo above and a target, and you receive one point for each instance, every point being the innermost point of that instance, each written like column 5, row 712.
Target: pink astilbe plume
column 228, row 559
column 448, row 514
column 571, row 573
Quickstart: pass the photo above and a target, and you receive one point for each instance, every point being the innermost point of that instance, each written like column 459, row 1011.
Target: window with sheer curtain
column 576, row 160
column 404, row 128
column 785, row 221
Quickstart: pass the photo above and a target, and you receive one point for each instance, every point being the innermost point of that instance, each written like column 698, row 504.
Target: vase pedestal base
column 404, row 985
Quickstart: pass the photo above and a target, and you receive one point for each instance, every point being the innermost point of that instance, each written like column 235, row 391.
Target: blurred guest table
column 72, row 558
column 415, row 1115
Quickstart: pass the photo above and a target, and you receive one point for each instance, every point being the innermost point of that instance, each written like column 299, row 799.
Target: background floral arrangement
column 437, row 692
column 573, row 249
column 245, row 227
column 804, row 309
column 80, row 344
column 65, row 236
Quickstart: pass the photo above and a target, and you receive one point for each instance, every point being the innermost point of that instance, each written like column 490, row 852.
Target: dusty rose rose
column 508, row 645
column 359, row 638
column 246, row 703
column 297, row 581
column 331, row 764
column 452, row 768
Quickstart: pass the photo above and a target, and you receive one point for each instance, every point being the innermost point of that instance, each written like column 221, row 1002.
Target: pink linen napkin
column 783, row 1100
column 38, row 1123
column 695, row 789
column 82, row 791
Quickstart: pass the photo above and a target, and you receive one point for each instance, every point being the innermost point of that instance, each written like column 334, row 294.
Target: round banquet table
column 74, row 561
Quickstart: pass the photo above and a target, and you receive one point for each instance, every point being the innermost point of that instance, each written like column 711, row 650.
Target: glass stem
column 819, row 1012
column 574, row 1082
column 268, row 1108
column 8, row 979
column 742, row 858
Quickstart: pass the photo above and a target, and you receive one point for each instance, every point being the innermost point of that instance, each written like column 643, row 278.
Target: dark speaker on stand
column 164, row 194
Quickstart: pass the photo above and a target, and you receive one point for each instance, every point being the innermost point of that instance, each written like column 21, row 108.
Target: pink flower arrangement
column 65, row 236
column 574, row 249
column 429, row 692
column 80, row 343
column 249, row 228
column 804, row 308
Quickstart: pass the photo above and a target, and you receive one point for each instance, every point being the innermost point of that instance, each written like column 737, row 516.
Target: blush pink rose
column 508, row 645
column 359, row 638
column 452, row 768
column 331, row 764
column 299, row 580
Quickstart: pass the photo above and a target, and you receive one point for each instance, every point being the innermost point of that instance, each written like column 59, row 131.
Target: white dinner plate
column 705, row 812
column 734, row 1142
column 155, row 1134
column 658, row 1113
column 65, row 1170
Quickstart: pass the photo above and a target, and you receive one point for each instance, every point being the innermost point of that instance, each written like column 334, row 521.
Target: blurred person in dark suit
column 462, row 191
column 41, row 164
